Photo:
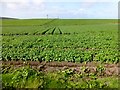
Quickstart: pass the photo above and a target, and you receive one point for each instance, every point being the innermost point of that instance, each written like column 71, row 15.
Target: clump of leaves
column 100, row 70
column 22, row 75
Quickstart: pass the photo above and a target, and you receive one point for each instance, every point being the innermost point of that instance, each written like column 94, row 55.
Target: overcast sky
column 59, row 8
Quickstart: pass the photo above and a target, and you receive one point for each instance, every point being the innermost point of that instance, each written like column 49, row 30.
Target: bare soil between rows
column 110, row 69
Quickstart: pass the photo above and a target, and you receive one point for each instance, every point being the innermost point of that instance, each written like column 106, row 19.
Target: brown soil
column 110, row 69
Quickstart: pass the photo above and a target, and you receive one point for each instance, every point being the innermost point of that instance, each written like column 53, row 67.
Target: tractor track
column 45, row 25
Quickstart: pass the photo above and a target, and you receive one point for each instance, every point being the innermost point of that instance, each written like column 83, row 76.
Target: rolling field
column 48, row 44
column 60, row 40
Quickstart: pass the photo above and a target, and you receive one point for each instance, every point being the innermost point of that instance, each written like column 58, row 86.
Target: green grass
column 24, row 22
column 112, row 81
column 66, row 24
column 61, row 21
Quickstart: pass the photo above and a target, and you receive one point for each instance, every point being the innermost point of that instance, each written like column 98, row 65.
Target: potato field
column 59, row 53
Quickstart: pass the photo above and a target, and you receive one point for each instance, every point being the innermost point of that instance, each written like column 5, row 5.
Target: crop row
column 51, row 30
column 60, row 41
column 60, row 48
column 36, row 54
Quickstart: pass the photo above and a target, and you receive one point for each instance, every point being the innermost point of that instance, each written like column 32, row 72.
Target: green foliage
column 26, row 77
column 80, row 41
column 23, row 78
column 100, row 69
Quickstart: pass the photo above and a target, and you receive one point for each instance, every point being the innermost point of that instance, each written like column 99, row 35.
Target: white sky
column 59, row 8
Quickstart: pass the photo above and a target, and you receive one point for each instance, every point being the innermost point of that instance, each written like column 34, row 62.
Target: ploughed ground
column 110, row 69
